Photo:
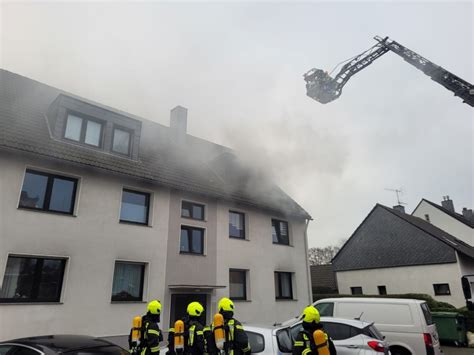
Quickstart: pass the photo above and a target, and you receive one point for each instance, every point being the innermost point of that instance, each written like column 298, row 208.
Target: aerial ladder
column 324, row 88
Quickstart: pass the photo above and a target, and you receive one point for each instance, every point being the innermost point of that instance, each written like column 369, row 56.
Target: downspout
column 308, row 273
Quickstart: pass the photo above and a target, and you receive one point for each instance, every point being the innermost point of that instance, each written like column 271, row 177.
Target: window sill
column 135, row 224
column 126, row 302
column 237, row 238
column 29, row 303
column 284, row 245
column 192, row 254
column 286, row 299
column 194, row 219
column 234, row 300
column 46, row 211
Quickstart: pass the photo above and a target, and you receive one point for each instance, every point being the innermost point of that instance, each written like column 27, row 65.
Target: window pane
column 441, row 289
column 93, row 131
column 237, row 284
column 325, row 309
column 274, row 232
column 17, row 350
column 128, row 282
column 51, row 279
column 62, row 195
column 121, row 141
column 197, row 235
column 184, row 242
column 134, row 207
column 73, row 128
column 337, row 331
column 19, row 278
column 185, row 209
column 356, row 290
column 198, row 212
column 33, row 190
column 236, row 225
column 286, row 285
column 256, row 342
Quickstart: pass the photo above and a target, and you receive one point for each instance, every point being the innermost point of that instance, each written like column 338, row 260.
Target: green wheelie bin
column 451, row 327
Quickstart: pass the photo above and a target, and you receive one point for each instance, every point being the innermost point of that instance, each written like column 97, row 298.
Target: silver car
column 351, row 337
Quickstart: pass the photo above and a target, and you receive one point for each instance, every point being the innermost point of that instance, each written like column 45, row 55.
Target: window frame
column 354, row 288
column 192, row 204
column 49, row 190
column 190, row 242
column 142, row 282
column 243, row 234
column 147, row 200
column 82, row 135
column 37, row 279
column 278, row 293
column 436, row 290
column 278, row 231
column 130, row 135
column 244, row 272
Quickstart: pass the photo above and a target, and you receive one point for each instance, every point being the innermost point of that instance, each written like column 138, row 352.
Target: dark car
column 60, row 344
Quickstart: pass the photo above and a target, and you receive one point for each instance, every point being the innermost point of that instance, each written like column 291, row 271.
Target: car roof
column 62, row 342
column 352, row 322
column 369, row 299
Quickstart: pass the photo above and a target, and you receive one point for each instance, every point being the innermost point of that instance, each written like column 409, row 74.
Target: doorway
column 179, row 303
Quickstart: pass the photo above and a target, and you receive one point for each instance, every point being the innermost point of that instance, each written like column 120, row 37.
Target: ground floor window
column 382, row 290
column 128, row 281
column 441, row 289
column 283, row 285
column 32, row 279
column 357, row 290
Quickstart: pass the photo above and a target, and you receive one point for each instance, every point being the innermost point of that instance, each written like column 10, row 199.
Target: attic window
column 83, row 130
column 121, row 141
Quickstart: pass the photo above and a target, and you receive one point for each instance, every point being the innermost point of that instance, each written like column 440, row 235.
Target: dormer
column 91, row 126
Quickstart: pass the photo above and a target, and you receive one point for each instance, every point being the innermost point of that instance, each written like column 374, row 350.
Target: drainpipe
column 308, row 274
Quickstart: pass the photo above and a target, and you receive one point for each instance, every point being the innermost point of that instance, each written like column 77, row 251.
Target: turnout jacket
column 194, row 342
column 152, row 336
column 304, row 344
column 236, row 339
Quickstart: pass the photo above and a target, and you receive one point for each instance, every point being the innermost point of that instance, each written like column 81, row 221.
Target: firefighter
column 194, row 342
column 305, row 343
column 236, row 340
column 151, row 333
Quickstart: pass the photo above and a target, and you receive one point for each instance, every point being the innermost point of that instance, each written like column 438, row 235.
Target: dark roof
column 389, row 238
column 455, row 215
column 196, row 166
column 62, row 343
column 323, row 276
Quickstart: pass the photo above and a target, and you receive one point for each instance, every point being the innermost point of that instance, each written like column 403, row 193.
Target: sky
column 238, row 67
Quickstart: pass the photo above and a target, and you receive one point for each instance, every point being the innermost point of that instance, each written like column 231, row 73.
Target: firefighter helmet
column 195, row 309
column 154, row 307
column 225, row 304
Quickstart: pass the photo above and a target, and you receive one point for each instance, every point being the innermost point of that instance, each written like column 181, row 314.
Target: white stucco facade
column 93, row 239
column 445, row 222
column 406, row 279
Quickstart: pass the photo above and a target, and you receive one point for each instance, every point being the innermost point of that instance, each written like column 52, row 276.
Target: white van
column 406, row 324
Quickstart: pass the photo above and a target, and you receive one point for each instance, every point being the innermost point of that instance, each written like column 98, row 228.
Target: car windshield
column 101, row 350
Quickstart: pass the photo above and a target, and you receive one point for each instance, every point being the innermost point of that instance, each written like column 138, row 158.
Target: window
column 280, row 233
column 128, row 281
column 192, row 240
column 356, row 290
column 192, row 210
column 83, row 130
column 48, row 192
column 238, row 284
column 135, row 207
column 17, row 350
column 382, row 290
column 32, row 279
column 427, row 217
column 236, row 225
column 339, row 331
column 256, row 342
column 283, row 286
column 441, row 289
column 325, row 309
column 121, row 141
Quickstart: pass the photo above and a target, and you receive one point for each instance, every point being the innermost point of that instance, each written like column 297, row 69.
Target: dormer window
column 121, row 141
column 83, row 130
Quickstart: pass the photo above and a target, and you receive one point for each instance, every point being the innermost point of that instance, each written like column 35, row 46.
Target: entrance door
column 179, row 303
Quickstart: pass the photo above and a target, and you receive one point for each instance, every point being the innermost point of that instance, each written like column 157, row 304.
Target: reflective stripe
column 299, row 343
column 143, row 351
column 191, row 335
column 153, row 331
column 305, row 337
column 199, row 332
column 171, row 330
column 239, row 327
column 306, row 351
column 155, row 349
column 207, row 329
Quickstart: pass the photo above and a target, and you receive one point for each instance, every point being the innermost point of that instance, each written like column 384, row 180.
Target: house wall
column 466, row 264
column 407, row 279
column 445, row 222
column 92, row 240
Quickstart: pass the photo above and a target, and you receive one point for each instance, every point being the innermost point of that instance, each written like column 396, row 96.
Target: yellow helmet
column 195, row 309
column 154, row 307
column 225, row 304
column 310, row 314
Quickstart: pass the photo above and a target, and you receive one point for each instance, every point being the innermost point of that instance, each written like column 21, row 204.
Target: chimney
column 467, row 213
column 399, row 208
column 448, row 203
column 179, row 120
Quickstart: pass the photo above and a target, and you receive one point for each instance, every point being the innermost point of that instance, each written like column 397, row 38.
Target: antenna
column 398, row 192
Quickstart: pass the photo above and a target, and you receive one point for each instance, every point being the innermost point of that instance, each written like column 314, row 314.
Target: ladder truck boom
column 324, row 88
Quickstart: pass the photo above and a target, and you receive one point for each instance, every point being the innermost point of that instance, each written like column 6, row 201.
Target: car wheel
column 397, row 350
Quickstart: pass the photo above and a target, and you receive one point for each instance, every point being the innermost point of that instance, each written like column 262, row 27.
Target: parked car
column 60, row 344
column 351, row 337
column 406, row 324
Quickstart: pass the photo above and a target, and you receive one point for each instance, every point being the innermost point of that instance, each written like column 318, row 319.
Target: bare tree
column 322, row 256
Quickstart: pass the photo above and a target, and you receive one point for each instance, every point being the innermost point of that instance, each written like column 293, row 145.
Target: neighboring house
column 102, row 211
column 392, row 253
column 323, row 279
column 446, row 218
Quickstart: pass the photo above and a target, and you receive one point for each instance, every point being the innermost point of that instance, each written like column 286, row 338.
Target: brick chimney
column 467, row 213
column 399, row 208
column 448, row 203
column 178, row 124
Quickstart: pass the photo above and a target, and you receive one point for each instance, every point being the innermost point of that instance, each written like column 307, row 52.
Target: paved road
column 457, row 351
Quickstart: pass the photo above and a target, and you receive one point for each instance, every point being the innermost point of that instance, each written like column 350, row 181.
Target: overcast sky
column 238, row 68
